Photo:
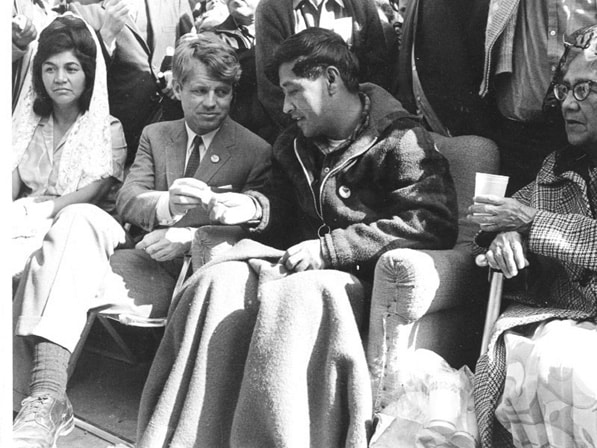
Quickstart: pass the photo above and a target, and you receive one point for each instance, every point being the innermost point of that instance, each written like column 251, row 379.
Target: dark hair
column 206, row 47
column 65, row 33
column 315, row 49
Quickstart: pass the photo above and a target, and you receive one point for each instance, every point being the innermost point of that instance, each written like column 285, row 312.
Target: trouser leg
column 77, row 269
column 148, row 283
column 60, row 283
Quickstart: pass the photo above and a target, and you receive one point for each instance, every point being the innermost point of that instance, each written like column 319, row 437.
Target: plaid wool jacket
column 562, row 242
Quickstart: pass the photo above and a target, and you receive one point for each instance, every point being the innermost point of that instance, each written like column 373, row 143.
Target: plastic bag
column 432, row 407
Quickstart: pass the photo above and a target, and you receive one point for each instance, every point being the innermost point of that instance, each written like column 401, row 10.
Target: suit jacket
column 236, row 157
column 132, row 67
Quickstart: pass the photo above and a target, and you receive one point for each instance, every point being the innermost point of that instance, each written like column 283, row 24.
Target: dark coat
column 449, row 56
column 389, row 188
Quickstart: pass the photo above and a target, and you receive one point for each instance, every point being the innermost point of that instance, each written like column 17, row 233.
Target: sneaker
column 41, row 421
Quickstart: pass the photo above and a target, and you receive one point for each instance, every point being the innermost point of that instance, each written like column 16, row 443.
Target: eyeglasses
column 580, row 90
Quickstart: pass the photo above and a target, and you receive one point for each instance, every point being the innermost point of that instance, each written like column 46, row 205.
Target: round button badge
column 344, row 192
column 214, row 158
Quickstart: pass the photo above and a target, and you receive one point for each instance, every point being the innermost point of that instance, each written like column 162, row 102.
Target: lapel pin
column 344, row 192
column 214, row 158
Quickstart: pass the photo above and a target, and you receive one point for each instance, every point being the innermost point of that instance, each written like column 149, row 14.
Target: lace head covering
column 87, row 152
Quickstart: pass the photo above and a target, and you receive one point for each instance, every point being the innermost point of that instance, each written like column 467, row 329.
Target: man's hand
column 168, row 89
column 231, row 208
column 167, row 244
column 304, row 256
column 495, row 214
column 23, row 31
column 115, row 18
column 187, row 193
column 506, row 253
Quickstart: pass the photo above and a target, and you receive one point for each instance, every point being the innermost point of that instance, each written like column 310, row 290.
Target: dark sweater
column 390, row 188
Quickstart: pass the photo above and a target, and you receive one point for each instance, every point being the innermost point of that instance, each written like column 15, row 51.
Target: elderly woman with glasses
column 537, row 384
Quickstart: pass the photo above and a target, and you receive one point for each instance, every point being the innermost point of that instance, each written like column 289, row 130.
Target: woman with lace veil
column 66, row 147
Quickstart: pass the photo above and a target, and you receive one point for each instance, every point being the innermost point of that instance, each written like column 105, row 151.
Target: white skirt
column 550, row 393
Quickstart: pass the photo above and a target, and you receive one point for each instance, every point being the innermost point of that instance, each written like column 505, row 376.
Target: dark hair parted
column 315, row 49
column 65, row 33
column 206, row 47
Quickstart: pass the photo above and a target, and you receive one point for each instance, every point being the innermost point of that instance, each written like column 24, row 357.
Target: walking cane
column 493, row 304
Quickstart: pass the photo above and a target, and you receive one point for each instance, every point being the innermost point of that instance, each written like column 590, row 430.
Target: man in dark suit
column 134, row 37
column 89, row 261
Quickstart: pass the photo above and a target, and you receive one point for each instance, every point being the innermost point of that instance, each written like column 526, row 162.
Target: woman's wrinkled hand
column 495, row 214
column 506, row 253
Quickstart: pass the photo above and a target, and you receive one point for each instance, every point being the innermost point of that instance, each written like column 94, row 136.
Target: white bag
column 433, row 406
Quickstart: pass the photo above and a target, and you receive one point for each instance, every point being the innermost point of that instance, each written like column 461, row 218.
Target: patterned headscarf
column 87, row 152
column 583, row 40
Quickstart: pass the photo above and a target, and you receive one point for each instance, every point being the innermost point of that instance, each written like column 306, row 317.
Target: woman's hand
column 495, row 214
column 506, row 253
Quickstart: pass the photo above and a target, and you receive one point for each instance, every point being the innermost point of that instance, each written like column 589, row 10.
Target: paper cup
column 444, row 403
column 493, row 184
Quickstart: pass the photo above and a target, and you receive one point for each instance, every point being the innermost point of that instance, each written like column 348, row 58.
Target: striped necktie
column 195, row 157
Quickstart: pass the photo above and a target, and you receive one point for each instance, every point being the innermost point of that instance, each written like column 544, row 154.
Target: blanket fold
column 255, row 356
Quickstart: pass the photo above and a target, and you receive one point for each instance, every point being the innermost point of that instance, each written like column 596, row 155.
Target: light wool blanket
column 254, row 356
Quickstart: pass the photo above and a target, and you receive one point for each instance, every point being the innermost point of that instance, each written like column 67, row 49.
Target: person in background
column 238, row 31
column 66, row 148
column 208, row 13
column 357, row 21
column 28, row 19
column 88, row 261
column 275, row 356
column 441, row 64
column 135, row 36
column 537, row 384
column 523, row 44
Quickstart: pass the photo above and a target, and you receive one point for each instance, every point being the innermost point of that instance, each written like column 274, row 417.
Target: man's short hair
column 219, row 58
column 315, row 49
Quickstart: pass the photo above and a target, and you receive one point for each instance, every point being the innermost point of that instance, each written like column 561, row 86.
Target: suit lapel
column 218, row 153
column 176, row 149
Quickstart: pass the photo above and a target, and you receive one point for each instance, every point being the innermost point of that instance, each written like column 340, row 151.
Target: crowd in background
column 491, row 68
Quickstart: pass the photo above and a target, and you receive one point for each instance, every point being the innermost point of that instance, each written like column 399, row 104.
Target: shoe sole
column 64, row 430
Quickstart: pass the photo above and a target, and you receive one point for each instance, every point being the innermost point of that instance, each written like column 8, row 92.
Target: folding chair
column 125, row 319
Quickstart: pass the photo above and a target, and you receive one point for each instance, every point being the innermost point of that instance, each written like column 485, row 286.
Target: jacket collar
column 380, row 110
column 569, row 162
